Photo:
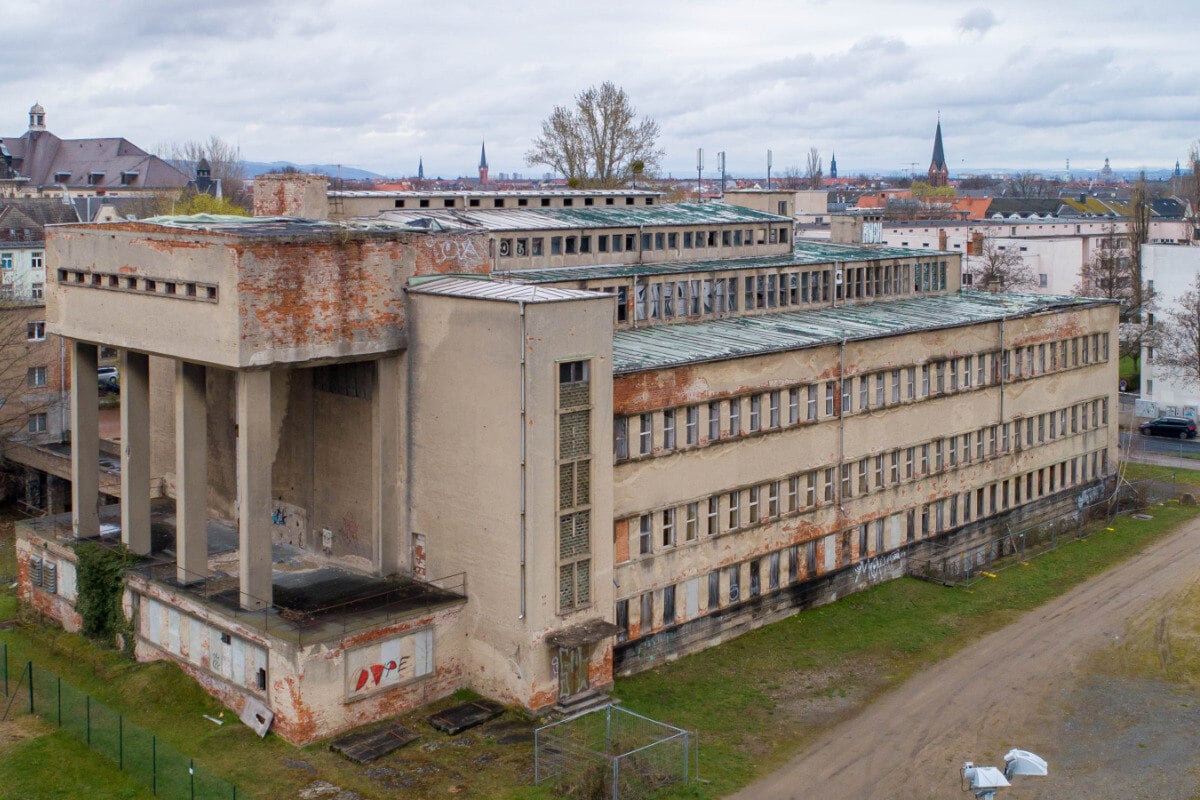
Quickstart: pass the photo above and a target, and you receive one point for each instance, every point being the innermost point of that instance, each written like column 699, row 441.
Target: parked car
column 1175, row 427
column 109, row 378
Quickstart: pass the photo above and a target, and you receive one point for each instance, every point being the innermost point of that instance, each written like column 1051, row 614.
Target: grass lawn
column 755, row 701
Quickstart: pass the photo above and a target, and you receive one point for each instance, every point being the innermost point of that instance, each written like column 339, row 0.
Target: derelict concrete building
column 521, row 450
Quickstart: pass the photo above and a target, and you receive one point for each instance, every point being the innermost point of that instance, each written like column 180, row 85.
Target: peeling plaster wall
column 466, row 474
column 306, row 683
column 189, row 328
column 328, row 293
column 671, row 642
column 673, row 479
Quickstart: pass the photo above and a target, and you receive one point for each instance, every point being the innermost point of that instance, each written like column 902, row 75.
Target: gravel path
column 1028, row 685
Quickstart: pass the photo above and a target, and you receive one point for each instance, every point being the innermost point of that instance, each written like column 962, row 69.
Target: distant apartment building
column 368, row 462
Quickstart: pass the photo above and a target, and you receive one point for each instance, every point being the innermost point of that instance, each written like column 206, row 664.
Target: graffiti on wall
column 388, row 663
column 289, row 523
column 1090, row 495
column 458, row 252
column 875, row 570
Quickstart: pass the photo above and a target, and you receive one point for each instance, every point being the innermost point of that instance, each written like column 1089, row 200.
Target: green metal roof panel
column 659, row 346
column 587, row 217
column 804, row 253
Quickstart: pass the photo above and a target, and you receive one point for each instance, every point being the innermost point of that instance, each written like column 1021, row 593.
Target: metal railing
column 136, row 752
column 389, row 604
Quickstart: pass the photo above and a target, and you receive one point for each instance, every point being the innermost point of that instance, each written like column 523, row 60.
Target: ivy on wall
column 98, row 589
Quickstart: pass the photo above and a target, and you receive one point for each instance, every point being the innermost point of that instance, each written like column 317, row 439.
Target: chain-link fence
column 29, row 689
column 612, row 752
column 958, row 565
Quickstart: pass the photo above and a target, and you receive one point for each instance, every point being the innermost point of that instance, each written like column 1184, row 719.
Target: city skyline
column 378, row 87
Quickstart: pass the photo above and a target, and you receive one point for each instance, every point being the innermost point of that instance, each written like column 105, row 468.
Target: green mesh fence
column 28, row 689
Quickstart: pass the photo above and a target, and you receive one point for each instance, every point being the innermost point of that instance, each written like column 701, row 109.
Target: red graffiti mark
column 378, row 672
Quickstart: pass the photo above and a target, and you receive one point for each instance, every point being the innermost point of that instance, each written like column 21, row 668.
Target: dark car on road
column 1175, row 427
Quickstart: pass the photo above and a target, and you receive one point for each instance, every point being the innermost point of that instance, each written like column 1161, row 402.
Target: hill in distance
column 254, row 168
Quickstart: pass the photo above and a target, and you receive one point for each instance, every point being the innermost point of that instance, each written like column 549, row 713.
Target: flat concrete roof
column 659, row 346
column 574, row 218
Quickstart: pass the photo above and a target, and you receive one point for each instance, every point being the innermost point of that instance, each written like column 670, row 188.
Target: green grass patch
column 1137, row 472
column 55, row 765
column 756, row 701
column 743, row 697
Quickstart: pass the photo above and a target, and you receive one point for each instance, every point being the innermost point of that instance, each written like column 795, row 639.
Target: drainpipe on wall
column 62, row 389
column 1003, row 368
column 521, row 306
column 639, row 243
column 841, row 423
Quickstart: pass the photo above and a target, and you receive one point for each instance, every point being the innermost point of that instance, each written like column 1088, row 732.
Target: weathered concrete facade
column 511, row 477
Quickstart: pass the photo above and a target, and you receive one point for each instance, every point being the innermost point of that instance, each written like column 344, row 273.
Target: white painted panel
column 895, row 531
column 692, row 608
column 196, row 646
column 173, row 631
column 66, row 580
column 152, row 613
column 830, row 552
column 239, row 661
column 423, row 655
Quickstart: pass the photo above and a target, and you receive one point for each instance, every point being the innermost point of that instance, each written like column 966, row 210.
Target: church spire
column 939, row 173
column 483, row 167
column 833, row 165
column 421, row 169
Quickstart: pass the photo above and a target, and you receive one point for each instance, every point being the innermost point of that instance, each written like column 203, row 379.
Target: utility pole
column 721, row 161
column 699, row 174
column 768, row 170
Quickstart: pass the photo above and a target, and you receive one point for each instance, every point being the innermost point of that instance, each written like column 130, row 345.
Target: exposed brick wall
column 293, row 195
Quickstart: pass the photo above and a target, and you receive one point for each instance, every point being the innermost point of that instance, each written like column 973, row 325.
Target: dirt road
column 1015, row 688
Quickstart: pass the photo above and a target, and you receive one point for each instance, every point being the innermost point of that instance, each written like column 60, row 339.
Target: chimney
column 942, row 239
column 975, row 246
column 291, row 195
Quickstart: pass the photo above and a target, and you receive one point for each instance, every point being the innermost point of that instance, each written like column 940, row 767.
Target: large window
column 574, row 485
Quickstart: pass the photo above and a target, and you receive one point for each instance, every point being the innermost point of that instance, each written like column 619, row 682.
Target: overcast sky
column 379, row 84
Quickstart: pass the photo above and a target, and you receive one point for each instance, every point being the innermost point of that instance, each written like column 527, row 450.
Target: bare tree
column 793, row 179
column 1178, row 350
column 1110, row 274
column 1029, row 185
column 1191, row 184
column 224, row 162
column 813, row 171
column 596, row 142
column 1138, row 233
column 1000, row 269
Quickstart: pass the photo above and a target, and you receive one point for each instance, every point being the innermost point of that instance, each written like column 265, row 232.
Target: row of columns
column 254, row 459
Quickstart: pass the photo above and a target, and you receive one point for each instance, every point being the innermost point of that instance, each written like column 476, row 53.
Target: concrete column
column 56, row 495
column 135, row 451
column 385, row 457
column 255, row 456
column 85, row 441
column 191, row 473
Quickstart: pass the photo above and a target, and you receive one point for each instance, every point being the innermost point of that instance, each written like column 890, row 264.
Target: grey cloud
column 976, row 22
